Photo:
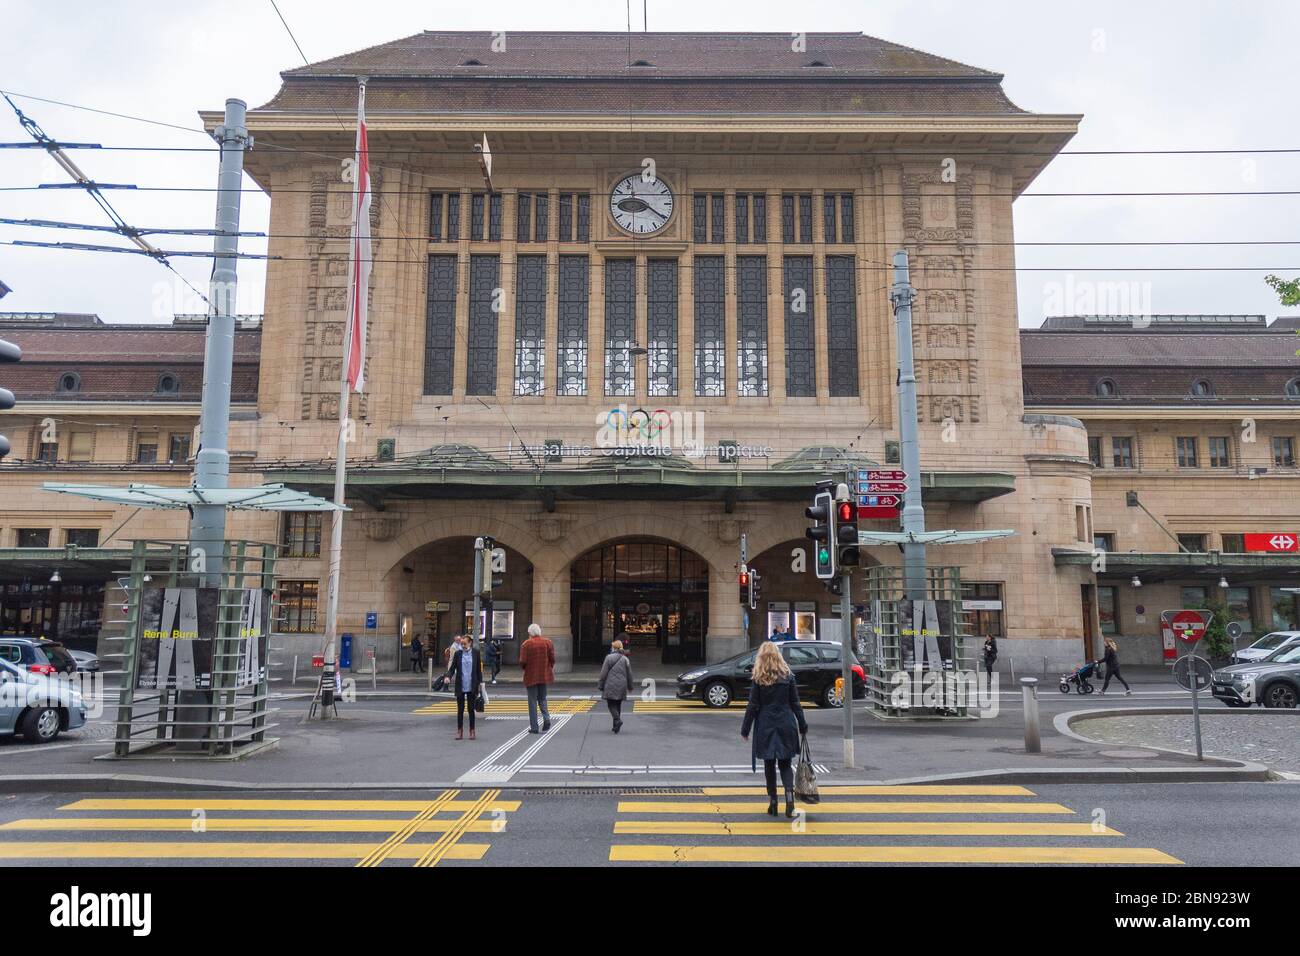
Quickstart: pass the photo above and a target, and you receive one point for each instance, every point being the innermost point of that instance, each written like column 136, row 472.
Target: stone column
column 551, row 611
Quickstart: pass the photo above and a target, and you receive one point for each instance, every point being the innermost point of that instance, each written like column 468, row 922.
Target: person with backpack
column 615, row 682
column 776, row 719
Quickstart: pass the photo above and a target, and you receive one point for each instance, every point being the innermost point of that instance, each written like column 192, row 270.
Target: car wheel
column 717, row 694
column 829, row 697
column 40, row 725
column 1280, row 695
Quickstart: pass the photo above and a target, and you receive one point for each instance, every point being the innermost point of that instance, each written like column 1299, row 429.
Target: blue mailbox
column 345, row 651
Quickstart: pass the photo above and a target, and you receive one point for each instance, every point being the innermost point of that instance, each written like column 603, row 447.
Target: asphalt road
column 1208, row 824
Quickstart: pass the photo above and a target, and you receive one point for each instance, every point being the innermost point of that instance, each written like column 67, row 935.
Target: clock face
column 640, row 207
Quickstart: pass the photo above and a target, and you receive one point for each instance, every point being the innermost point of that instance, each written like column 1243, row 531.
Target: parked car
column 38, row 655
column 1272, row 682
column 1266, row 645
column 37, row 705
column 815, row 664
column 86, row 661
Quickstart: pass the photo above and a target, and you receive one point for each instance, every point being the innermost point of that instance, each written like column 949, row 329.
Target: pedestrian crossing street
column 509, row 707
column 452, row 825
column 992, row 824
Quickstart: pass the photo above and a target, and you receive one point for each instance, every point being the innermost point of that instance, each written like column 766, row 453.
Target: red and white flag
column 359, row 293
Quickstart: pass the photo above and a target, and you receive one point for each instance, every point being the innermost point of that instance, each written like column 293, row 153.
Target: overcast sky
column 1156, row 75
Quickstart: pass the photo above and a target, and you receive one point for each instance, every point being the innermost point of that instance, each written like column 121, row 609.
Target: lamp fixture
column 55, row 578
column 1136, row 582
column 1223, row 582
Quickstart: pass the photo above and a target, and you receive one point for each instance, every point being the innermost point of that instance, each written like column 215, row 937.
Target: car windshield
column 1269, row 641
column 1287, row 655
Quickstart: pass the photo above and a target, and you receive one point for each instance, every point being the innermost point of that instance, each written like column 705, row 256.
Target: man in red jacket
column 537, row 656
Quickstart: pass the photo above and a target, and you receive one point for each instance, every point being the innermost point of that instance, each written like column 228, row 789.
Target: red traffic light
column 744, row 579
column 846, row 511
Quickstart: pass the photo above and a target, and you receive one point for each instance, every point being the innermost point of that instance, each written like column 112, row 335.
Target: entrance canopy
column 260, row 498
column 930, row 537
column 1153, row 566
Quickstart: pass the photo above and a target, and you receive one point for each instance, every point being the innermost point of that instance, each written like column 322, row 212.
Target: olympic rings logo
column 638, row 424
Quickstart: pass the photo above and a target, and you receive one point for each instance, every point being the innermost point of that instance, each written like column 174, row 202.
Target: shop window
column 1220, row 456
column 1238, row 601
column 1108, row 609
column 301, row 534
column 1185, row 450
column 297, row 603
column 982, row 606
column 1286, row 610
column 82, row 537
column 33, row 537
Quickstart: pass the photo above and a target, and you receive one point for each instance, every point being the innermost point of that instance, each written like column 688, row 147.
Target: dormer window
column 816, row 63
column 643, row 63
column 169, row 384
column 69, row 383
column 1106, row 388
column 472, row 63
column 1201, row 388
column 1293, row 388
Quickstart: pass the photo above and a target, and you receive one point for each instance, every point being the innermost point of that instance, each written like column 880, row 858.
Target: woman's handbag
column 480, row 702
column 805, row 781
column 440, row 684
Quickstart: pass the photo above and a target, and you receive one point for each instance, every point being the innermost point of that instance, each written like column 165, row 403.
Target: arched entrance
column 651, row 594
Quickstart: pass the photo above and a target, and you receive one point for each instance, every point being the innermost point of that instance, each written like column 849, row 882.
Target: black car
column 815, row 665
column 37, row 655
column 1273, row 682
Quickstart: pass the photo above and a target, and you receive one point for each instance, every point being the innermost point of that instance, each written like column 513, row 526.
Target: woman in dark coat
column 990, row 655
column 777, row 721
column 466, row 677
column 615, row 681
column 1111, row 660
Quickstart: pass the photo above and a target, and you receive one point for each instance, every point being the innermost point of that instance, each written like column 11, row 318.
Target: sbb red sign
column 1284, row 541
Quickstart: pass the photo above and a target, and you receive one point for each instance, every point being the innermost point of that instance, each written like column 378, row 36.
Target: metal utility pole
column 212, row 463
column 846, row 638
column 913, row 519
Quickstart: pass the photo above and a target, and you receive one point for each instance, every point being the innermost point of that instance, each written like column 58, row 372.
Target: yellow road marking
column 884, row 790
column 385, row 849
column 199, row 802
column 52, row 850
column 845, row 806
column 886, row 854
column 237, row 824
column 860, row 828
column 438, row 852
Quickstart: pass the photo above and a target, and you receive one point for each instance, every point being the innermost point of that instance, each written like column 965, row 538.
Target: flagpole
column 341, row 449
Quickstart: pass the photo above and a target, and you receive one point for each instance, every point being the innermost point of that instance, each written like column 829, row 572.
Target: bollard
column 374, row 667
column 295, row 669
column 1029, row 689
column 430, row 663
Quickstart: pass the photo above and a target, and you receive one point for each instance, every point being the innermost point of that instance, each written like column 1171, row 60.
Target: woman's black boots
column 789, row 804
column 771, row 803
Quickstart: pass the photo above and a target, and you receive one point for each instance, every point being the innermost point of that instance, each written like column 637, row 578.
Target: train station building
column 663, row 323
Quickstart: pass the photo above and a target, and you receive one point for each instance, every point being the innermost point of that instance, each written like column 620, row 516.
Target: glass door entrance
column 650, row 595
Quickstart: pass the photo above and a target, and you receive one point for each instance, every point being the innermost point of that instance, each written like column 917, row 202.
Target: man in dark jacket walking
column 493, row 652
column 537, row 657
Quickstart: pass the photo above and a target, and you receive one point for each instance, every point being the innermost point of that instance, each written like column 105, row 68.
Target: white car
column 38, row 706
column 1266, row 645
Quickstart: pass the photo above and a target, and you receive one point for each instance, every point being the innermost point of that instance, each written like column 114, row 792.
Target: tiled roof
column 1159, row 349
column 570, row 55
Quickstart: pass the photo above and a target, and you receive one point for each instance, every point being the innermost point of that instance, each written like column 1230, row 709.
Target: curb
column 1063, row 721
column 1225, row 772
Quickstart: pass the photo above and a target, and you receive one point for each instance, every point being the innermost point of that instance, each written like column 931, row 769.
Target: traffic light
column 8, row 353
column 484, row 557
column 744, row 586
column 755, row 589
column 822, row 532
column 846, row 533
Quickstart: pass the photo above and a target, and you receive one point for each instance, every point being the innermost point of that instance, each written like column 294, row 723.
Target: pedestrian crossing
column 509, row 706
column 959, row 824
column 449, row 826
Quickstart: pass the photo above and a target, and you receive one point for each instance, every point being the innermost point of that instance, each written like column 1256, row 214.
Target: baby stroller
column 1079, row 678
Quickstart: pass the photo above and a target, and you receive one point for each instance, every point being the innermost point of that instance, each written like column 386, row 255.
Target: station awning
column 1152, row 566
column 930, row 537
column 261, row 498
